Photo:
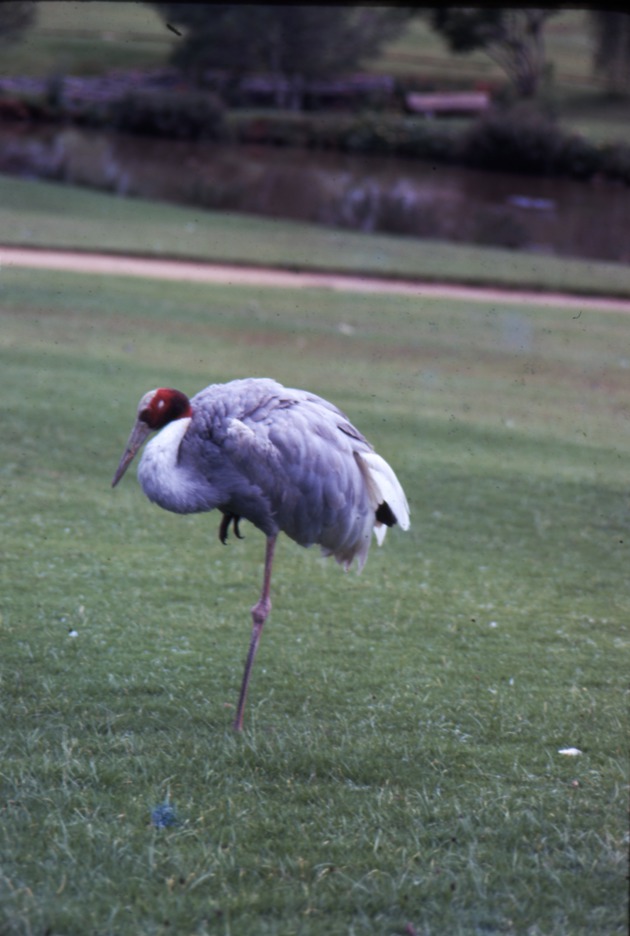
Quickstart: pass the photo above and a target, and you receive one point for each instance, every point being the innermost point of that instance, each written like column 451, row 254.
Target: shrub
column 512, row 141
column 577, row 157
column 424, row 139
column 283, row 128
column 523, row 140
column 615, row 162
column 190, row 115
column 367, row 134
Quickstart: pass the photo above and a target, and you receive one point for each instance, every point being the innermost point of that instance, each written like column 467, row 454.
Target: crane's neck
column 162, row 477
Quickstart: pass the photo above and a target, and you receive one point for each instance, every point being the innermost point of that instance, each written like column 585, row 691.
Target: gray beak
column 138, row 434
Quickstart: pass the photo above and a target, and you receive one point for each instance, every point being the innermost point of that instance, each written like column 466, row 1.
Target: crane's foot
column 224, row 527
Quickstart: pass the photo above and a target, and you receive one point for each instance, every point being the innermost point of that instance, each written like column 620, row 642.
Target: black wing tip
column 385, row 514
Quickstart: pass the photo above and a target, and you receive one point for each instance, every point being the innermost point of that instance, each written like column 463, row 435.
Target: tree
column 16, row 16
column 291, row 43
column 513, row 38
column 611, row 58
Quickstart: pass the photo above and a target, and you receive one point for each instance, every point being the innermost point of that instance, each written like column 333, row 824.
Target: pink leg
column 260, row 612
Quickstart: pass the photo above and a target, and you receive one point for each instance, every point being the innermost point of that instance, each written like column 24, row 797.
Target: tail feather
column 387, row 500
column 386, row 494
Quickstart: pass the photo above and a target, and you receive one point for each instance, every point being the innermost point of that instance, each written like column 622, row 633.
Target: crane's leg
column 260, row 612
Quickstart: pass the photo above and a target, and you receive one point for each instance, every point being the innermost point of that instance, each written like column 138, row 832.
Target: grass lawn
column 43, row 214
column 399, row 771
column 74, row 37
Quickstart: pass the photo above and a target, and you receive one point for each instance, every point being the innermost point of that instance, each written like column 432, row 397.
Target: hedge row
column 516, row 139
column 195, row 116
column 501, row 141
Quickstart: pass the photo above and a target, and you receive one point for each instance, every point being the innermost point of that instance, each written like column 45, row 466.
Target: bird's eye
column 161, row 404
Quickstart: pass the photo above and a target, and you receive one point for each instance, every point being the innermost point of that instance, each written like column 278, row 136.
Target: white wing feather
column 385, row 486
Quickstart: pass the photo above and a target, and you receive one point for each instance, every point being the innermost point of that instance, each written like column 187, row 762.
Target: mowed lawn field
column 400, row 769
column 52, row 215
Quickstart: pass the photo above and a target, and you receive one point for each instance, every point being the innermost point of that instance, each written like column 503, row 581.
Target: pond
column 366, row 193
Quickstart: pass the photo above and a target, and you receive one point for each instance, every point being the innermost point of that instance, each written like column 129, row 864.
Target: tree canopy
column 292, row 42
column 513, row 37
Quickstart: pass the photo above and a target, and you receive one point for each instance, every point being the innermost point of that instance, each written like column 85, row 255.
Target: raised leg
column 260, row 612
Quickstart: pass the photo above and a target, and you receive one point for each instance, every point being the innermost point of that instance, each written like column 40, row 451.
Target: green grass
column 399, row 771
column 42, row 214
column 90, row 38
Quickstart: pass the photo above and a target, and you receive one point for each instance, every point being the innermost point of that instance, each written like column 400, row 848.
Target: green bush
column 190, row 115
column 615, row 162
column 514, row 141
column 281, row 128
column 369, row 133
column 424, row 139
column 524, row 140
column 577, row 157
column 397, row 136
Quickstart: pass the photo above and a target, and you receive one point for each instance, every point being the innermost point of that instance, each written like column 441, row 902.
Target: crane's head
column 156, row 409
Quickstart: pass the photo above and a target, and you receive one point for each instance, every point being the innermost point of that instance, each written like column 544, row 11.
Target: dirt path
column 199, row 272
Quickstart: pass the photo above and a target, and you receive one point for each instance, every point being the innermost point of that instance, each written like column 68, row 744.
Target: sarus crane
column 286, row 460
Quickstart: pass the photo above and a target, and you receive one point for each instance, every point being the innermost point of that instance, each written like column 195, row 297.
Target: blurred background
column 497, row 127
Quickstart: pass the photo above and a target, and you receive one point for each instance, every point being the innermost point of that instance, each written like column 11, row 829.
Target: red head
column 160, row 407
column 156, row 409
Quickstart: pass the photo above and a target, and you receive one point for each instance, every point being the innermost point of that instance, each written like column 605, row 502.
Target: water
column 366, row 193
